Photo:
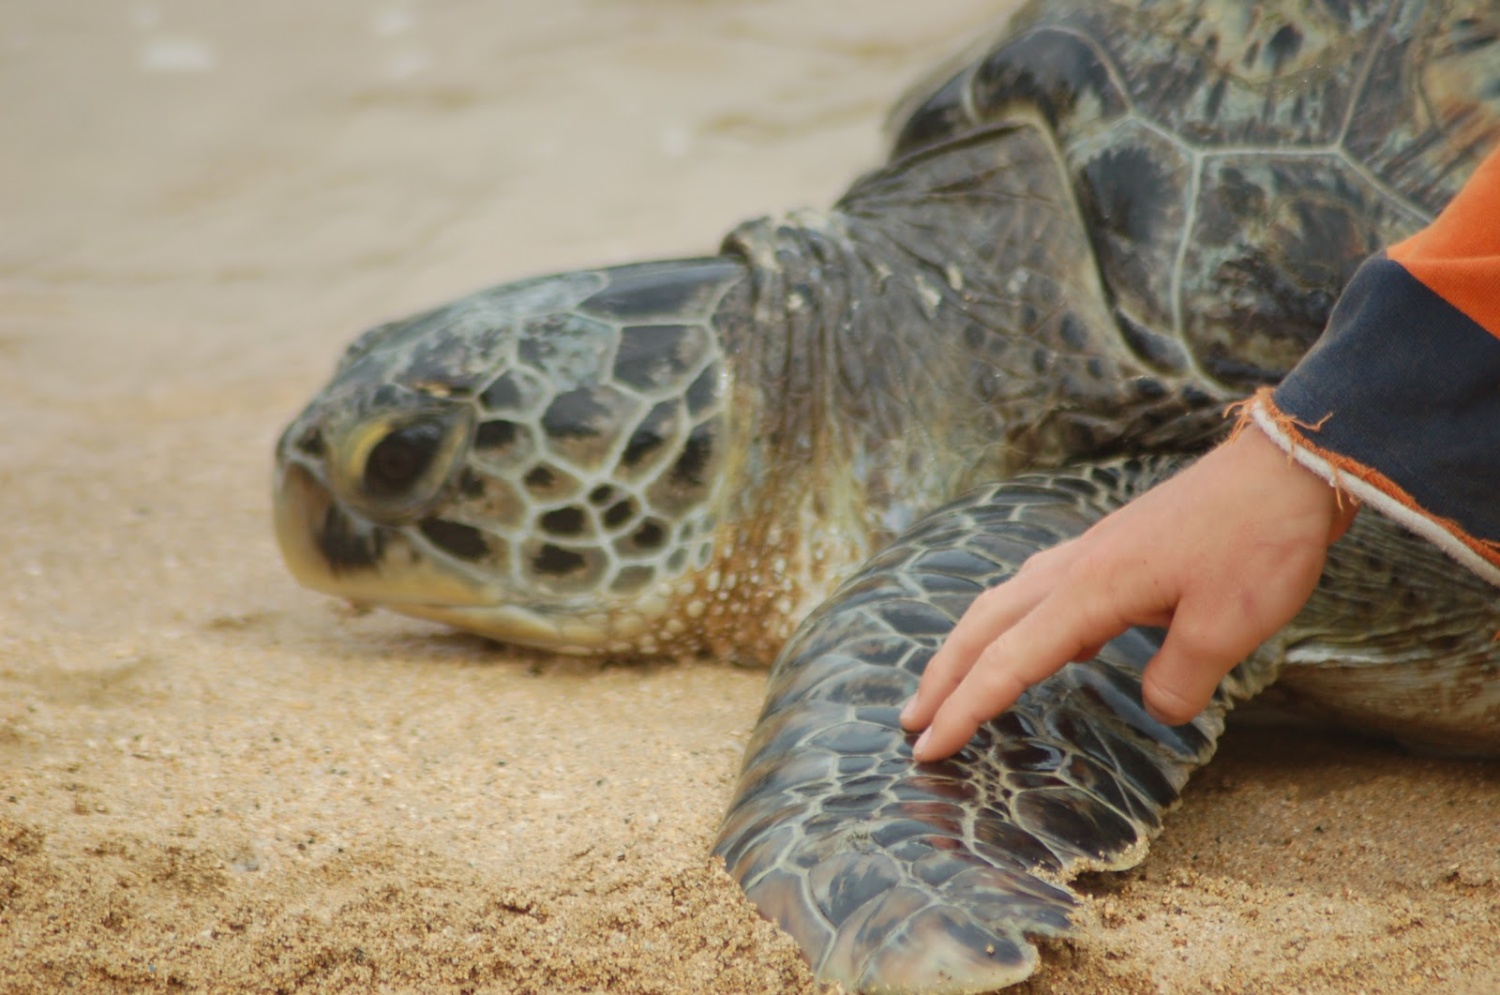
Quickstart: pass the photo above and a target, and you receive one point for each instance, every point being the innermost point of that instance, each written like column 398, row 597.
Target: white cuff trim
column 1365, row 494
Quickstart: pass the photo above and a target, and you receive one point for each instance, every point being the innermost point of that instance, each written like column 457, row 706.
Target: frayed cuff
column 1368, row 485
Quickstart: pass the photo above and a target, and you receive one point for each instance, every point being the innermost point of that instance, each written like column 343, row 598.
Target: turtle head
column 541, row 462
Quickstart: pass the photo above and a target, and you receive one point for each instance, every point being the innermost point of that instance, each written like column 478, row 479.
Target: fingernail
column 909, row 709
column 1165, row 720
column 921, row 744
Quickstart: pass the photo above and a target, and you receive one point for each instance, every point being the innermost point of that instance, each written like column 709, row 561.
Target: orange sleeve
column 1458, row 255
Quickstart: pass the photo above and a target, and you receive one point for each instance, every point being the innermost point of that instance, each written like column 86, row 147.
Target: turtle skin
column 1093, row 233
column 1225, row 161
column 1231, row 166
column 901, row 877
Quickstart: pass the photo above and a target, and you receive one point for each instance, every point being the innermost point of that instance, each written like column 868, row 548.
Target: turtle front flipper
column 894, row 876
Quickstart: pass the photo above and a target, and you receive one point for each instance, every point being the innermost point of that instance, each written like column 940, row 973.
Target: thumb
column 1199, row 650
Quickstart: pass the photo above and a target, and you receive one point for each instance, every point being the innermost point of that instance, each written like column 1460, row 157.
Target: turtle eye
column 401, row 459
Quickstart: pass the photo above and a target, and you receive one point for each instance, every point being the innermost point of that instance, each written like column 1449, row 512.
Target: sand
column 213, row 781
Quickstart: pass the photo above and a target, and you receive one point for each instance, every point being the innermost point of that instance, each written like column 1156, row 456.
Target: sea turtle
column 1090, row 236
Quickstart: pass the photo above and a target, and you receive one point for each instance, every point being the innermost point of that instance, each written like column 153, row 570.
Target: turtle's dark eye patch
column 554, row 561
column 463, row 541
column 400, row 459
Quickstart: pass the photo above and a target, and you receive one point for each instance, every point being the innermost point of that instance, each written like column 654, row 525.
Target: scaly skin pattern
column 930, row 878
column 900, row 877
column 1115, row 220
column 746, row 417
column 556, row 444
column 1092, row 234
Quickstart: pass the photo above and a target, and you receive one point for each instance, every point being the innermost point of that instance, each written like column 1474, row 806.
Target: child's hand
column 1222, row 555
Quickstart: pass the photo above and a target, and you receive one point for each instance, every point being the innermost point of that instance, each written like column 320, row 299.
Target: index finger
column 1048, row 637
column 987, row 617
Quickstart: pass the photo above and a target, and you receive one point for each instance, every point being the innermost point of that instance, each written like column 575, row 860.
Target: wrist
column 1301, row 487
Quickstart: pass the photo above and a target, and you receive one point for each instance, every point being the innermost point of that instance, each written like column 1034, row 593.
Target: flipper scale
column 896, row 876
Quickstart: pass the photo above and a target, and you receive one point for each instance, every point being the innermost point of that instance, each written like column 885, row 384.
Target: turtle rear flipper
column 894, row 876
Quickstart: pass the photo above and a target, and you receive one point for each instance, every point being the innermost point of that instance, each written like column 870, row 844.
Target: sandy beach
column 212, row 780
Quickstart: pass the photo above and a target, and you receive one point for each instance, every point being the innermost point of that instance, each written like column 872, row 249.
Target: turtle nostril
column 311, row 443
column 400, row 459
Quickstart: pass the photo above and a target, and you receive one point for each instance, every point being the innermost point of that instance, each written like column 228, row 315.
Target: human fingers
column 1217, row 625
column 1200, row 648
column 1062, row 627
column 989, row 615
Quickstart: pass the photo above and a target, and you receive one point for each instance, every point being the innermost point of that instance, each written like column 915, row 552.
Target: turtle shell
column 1234, row 163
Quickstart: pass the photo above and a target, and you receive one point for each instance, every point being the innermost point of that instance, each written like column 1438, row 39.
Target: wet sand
column 211, row 780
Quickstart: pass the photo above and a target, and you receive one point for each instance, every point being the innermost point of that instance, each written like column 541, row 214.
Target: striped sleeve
column 1398, row 404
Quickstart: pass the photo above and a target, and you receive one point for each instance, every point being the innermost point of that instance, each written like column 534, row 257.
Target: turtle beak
column 333, row 550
